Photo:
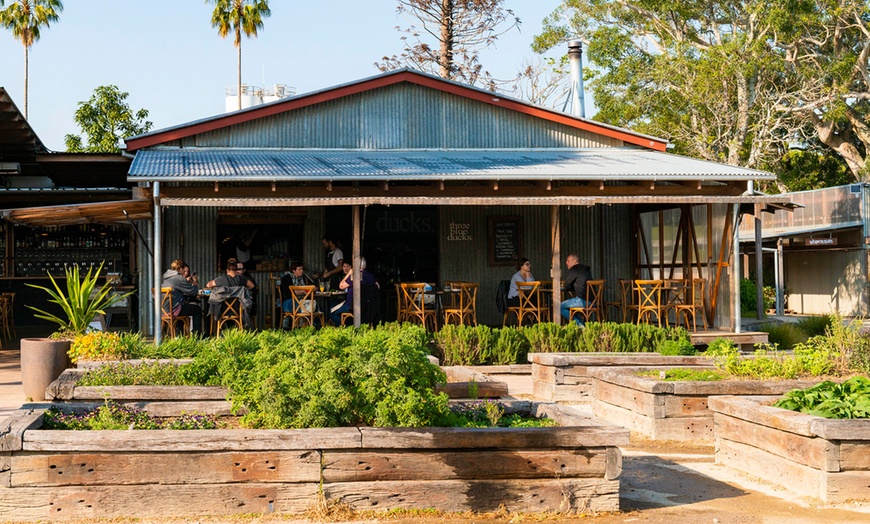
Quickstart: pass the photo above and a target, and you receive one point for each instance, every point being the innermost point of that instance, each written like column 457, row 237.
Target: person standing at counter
column 183, row 292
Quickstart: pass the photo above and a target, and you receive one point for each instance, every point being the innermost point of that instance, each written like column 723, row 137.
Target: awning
column 107, row 213
column 320, row 165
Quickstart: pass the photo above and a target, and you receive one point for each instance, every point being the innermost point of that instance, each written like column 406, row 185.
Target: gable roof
column 16, row 135
column 166, row 135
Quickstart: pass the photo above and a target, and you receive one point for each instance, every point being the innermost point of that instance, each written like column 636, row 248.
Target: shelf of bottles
column 50, row 250
column 2, row 248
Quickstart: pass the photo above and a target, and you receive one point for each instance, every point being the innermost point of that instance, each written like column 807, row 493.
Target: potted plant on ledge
column 44, row 359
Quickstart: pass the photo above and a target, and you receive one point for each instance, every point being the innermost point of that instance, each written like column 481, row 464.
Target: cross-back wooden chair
column 415, row 307
column 465, row 305
column 675, row 292
column 594, row 302
column 6, row 324
column 694, row 305
column 649, row 300
column 529, row 303
column 169, row 322
column 304, row 307
column 232, row 313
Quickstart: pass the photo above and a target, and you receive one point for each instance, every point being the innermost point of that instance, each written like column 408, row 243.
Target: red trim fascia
column 383, row 81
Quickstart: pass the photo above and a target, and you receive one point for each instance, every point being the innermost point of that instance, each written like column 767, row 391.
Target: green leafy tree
column 25, row 18
column 700, row 74
column 450, row 36
column 828, row 54
column 237, row 17
column 106, row 119
column 802, row 170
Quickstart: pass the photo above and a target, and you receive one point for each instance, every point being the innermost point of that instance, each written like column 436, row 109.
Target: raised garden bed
column 670, row 410
column 807, row 455
column 564, row 377
column 51, row 474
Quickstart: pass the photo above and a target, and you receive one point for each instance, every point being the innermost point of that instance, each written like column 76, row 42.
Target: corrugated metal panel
column 616, row 257
column 819, row 282
column 232, row 165
column 400, row 116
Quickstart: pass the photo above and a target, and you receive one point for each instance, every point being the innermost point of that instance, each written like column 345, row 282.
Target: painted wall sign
column 505, row 240
column 459, row 232
column 821, row 242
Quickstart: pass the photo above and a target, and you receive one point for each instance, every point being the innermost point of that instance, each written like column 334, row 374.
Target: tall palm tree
column 239, row 16
column 25, row 18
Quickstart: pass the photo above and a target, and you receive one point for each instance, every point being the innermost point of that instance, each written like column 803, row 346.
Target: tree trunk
column 26, row 61
column 239, row 82
column 840, row 143
column 445, row 57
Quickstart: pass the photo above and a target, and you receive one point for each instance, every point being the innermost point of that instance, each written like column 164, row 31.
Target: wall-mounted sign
column 505, row 240
column 821, row 242
column 459, row 232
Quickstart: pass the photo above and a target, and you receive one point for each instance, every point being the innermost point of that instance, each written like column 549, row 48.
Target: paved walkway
column 11, row 394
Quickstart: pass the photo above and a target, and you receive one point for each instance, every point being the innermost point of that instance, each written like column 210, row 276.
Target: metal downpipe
column 158, row 257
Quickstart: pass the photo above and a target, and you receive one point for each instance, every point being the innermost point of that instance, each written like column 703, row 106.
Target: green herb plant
column 115, row 416
column 848, row 400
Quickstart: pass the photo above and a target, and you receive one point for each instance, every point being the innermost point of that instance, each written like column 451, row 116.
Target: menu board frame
column 504, row 229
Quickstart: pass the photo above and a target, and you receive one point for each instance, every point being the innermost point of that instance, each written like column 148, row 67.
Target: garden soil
column 662, row 483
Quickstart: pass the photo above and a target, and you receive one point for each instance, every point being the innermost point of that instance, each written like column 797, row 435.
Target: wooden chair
column 168, row 321
column 649, row 294
column 414, row 306
column 400, row 304
column 545, row 297
column 594, row 302
column 465, row 309
column 529, row 303
column 233, row 313
column 5, row 317
column 674, row 293
column 694, row 305
column 304, row 308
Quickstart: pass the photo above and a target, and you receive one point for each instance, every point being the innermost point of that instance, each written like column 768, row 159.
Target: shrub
column 511, row 347
column 815, row 326
column 178, row 347
column 465, row 345
column 96, row 345
column 783, row 335
column 676, row 347
column 748, row 294
column 721, row 347
column 548, row 337
column 620, row 338
column 126, row 374
column 845, row 345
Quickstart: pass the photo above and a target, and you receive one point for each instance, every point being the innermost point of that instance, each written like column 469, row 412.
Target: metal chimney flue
column 575, row 61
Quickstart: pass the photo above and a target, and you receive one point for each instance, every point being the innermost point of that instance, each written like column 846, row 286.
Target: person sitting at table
column 523, row 274
column 346, row 283
column 183, row 292
column 575, row 284
column 232, row 277
column 296, row 277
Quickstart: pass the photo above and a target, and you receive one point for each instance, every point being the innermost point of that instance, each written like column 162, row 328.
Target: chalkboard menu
column 505, row 240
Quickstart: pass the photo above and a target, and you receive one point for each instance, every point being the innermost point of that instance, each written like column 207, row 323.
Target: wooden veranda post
column 557, row 268
column 357, row 284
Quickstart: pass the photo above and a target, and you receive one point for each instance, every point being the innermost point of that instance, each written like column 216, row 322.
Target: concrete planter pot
column 42, row 361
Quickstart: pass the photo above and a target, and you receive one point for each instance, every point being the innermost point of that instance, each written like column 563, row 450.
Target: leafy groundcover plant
column 113, row 415
column 848, row 400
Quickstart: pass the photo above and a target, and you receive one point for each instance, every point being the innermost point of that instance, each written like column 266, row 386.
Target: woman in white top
column 523, row 274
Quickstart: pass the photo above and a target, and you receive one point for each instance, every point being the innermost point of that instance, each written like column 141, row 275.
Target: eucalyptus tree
column 25, row 18
column 237, row 17
column 106, row 119
column 701, row 74
column 450, row 36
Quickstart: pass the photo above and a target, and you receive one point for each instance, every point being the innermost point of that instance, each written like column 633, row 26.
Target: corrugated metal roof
column 252, row 165
column 464, row 201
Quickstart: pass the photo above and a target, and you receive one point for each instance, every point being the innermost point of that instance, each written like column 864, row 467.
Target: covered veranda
column 655, row 215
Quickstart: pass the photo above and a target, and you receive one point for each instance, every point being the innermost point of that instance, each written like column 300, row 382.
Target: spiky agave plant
column 81, row 302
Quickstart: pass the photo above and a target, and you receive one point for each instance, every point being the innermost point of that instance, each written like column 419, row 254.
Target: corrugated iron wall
column 401, row 116
column 582, row 229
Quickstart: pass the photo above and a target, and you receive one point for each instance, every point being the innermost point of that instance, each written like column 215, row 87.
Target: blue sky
column 172, row 62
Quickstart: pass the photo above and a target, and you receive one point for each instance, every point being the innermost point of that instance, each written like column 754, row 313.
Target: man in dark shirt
column 575, row 283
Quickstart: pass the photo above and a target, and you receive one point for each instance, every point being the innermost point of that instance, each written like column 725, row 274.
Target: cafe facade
column 434, row 181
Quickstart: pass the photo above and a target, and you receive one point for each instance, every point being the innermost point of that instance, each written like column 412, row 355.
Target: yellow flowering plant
column 96, row 345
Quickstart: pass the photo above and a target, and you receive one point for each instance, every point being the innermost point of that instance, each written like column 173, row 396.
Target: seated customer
column 523, row 274
column 232, row 277
column 366, row 279
column 296, row 277
column 575, row 284
column 183, row 291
